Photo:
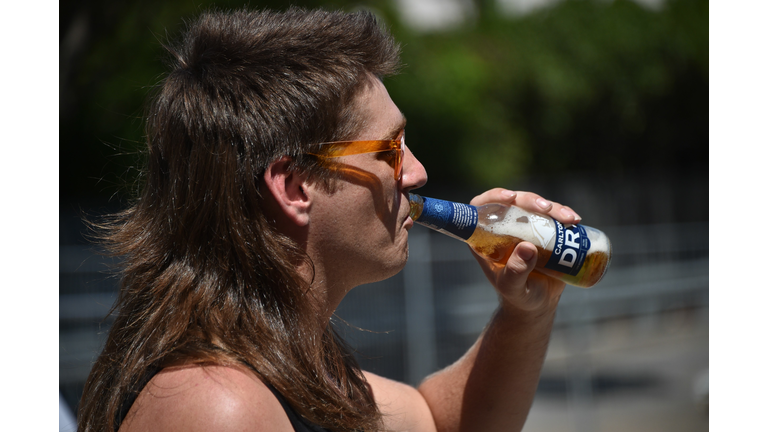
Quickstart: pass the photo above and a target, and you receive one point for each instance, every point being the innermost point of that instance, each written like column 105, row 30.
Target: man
column 277, row 180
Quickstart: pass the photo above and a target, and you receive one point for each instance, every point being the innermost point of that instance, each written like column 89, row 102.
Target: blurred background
column 601, row 105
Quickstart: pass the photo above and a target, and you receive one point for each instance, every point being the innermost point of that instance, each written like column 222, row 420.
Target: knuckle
column 517, row 268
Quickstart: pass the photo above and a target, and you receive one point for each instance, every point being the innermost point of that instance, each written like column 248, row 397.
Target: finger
column 518, row 284
column 542, row 291
column 496, row 195
column 536, row 203
column 527, row 289
column 512, row 282
column 567, row 211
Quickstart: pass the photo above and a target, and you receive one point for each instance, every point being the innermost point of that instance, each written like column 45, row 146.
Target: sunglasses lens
column 348, row 148
column 399, row 157
column 399, row 165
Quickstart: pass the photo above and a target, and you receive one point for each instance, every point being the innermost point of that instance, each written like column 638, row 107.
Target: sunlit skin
column 364, row 224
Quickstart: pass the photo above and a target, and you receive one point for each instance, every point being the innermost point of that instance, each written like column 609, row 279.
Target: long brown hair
column 206, row 278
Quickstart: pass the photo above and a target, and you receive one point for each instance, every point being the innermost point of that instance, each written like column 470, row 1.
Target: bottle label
column 570, row 250
column 449, row 217
column 543, row 228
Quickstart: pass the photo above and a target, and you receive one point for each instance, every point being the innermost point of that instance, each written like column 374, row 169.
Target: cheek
column 371, row 197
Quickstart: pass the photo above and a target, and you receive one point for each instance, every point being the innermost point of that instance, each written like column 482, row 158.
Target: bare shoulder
column 402, row 406
column 204, row 398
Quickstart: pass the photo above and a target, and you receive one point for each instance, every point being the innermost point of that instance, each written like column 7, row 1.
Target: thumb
column 512, row 279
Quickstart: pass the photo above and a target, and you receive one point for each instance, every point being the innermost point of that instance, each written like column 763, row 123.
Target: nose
column 414, row 174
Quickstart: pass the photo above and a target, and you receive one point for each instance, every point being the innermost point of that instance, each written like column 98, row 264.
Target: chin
column 396, row 264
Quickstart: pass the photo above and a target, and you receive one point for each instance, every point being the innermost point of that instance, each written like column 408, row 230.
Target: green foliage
column 586, row 85
column 583, row 86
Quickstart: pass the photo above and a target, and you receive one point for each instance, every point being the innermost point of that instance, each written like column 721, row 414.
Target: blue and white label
column 449, row 217
column 570, row 250
column 543, row 229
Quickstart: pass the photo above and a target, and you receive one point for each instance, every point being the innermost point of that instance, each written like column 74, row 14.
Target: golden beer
column 576, row 254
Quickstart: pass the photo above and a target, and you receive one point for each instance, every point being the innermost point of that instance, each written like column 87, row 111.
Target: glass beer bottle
column 576, row 254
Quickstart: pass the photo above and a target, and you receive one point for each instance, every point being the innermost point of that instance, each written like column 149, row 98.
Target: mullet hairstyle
column 206, row 278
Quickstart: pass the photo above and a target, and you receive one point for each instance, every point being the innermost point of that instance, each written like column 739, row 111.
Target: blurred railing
column 428, row 315
column 446, row 304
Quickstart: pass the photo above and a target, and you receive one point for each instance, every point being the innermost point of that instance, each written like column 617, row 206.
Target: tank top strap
column 299, row 423
column 130, row 398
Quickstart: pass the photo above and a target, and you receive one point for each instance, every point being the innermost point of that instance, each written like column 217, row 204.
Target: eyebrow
column 395, row 131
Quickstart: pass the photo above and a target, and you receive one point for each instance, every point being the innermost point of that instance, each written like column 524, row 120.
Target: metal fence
column 426, row 317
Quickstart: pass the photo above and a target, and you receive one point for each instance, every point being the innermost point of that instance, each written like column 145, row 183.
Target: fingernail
column 570, row 213
column 525, row 254
column 544, row 204
column 509, row 194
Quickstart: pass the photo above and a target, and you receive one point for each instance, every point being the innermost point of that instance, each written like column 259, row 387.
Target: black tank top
column 299, row 423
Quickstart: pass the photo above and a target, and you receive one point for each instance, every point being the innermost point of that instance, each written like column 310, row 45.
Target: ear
column 289, row 191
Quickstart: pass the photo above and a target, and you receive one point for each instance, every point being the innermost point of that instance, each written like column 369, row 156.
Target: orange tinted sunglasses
column 336, row 149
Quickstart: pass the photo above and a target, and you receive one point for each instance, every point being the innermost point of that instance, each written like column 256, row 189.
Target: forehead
column 382, row 119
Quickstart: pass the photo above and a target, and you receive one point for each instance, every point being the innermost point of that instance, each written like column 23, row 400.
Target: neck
column 326, row 292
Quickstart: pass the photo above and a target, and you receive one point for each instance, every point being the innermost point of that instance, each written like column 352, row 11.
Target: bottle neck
column 455, row 219
column 417, row 205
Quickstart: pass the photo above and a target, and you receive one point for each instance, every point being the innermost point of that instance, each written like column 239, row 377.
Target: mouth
column 406, row 209
column 408, row 224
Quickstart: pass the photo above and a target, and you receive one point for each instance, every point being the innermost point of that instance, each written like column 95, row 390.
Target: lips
column 408, row 224
column 407, row 221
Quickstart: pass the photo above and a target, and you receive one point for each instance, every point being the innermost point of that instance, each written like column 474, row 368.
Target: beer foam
column 599, row 241
column 526, row 226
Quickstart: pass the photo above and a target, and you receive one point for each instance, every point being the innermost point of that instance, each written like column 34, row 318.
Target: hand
column 519, row 287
